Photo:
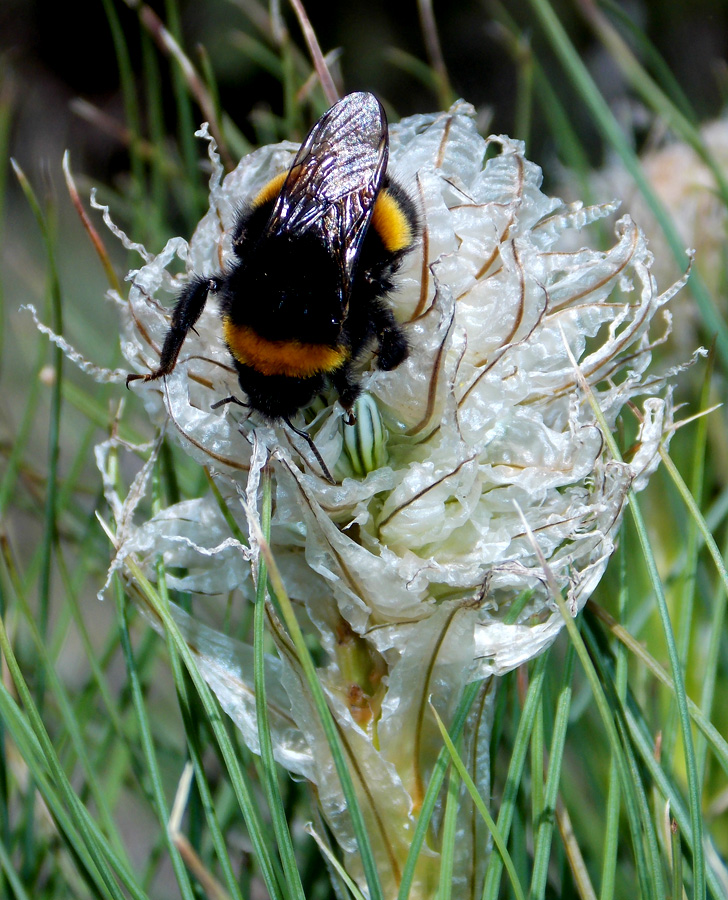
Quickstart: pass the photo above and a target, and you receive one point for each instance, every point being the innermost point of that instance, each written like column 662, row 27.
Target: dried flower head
column 415, row 569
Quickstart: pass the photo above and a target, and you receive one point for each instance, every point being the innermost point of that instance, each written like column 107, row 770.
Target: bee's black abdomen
column 277, row 396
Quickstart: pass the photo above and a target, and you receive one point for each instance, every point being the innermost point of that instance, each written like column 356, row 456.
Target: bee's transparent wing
column 333, row 183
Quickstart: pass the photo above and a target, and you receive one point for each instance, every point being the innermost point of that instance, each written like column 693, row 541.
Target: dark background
column 51, row 52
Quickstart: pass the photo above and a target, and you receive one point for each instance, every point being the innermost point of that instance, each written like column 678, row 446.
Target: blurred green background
column 60, row 90
column 55, row 52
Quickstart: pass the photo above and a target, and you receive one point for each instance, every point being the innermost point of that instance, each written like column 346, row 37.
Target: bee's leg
column 348, row 390
column 314, row 449
column 186, row 312
column 392, row 342
column 230, row 399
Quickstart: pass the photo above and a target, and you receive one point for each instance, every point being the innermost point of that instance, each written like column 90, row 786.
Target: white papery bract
column 415, row 570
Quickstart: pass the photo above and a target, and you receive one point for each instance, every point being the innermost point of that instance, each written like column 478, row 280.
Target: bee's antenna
column 314, row 448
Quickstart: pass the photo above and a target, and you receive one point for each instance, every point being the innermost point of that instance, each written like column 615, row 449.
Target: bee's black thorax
column 285, row 289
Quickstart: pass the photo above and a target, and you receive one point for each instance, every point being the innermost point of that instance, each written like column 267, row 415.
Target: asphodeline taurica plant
column 422, row 568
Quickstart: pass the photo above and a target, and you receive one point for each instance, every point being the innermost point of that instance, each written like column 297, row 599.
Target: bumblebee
column 315, row 254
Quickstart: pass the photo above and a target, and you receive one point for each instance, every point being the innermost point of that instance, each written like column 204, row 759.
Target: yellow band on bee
column 391, row 223
column 271, row 190
column 388, row 218
column 294, row 359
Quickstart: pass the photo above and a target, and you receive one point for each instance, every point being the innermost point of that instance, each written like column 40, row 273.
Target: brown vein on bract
column 622, row 340
column 504, row 235
column 443, row 142
column 220, row 251
column 522, row 296
column 517, row 322
column 141, row 329
column 424, row 267
column 611, row 276
column 573, row 298
column 344, row 569
column 216, row 456
column 151, row 611
column 281, row 638
column 285, row 647
column 480, row 274
column 483, row 272
column 281, row 714
column 559, row 309
column 434, row 380
column 502, row 238
column 386, row 841
column 507, row 344
column 422, row 493
column 209, row 362
column 567, row 520
column 418, row 793
column 423, row 422
column 616, row 366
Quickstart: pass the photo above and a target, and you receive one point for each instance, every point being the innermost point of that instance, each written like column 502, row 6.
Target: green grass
column 609, row 763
